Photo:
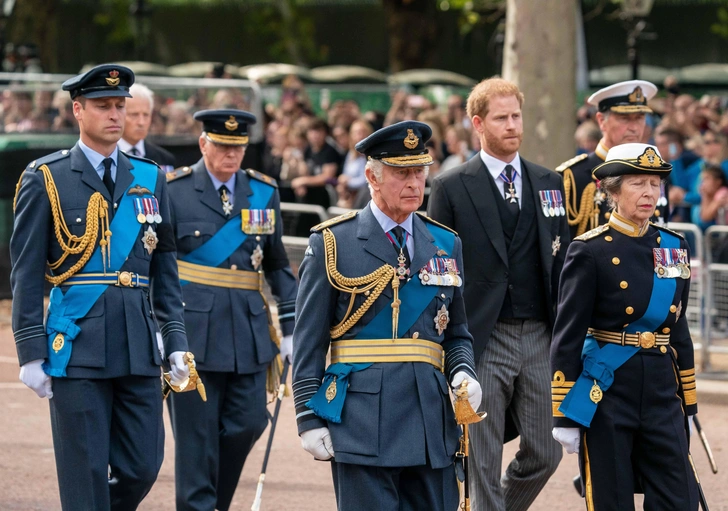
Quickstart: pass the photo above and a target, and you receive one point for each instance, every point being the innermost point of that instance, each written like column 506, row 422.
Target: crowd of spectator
column 315, row 161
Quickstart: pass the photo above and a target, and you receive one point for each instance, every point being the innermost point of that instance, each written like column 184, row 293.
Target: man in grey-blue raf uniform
column 382, row 289
column 99, row 221
column 228, row 230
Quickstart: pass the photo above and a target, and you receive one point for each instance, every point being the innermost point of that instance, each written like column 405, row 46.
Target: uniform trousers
column 108, row 437
column 367, row 488
column 213, row 438
column 514, row 372
column 639, row 426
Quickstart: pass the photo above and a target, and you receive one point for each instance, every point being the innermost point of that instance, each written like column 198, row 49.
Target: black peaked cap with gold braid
column 635, row 158
column 226, row 127
column 399, row 145
column 103, row 81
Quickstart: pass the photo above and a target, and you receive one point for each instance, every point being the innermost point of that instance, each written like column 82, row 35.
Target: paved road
column 294, row 482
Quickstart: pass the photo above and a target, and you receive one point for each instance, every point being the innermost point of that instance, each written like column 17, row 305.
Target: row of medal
column 147, row 210
column 552, row 204
column 441, row 271
column 671, row 263
column 258, row 221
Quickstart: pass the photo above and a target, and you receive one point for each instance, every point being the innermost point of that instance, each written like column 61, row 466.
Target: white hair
column 377, row 167
column 138, row 90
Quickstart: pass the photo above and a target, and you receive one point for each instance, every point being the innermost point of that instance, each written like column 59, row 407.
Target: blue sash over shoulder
column 414, row 298
column 599, row 365
column 65, row 309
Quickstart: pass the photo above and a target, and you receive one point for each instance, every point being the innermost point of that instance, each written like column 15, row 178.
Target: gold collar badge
column 411, row 140
column 231, row 124
column 636, row 96
column 114, row 80
column 650, row 159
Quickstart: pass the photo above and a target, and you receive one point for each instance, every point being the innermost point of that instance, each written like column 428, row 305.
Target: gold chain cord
column 375, row 282
column 585, row 212
column 97, row 212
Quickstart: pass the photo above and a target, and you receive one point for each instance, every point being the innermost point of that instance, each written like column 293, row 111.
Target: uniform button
column 367, row 293
column 184, row 304
column 625, row 325
column 510, row 286
column 442, row 296
column 624, row 284
column 673, row 308
column 657, row 212
column 663, row 349
column 607, row 238
column 233, row 266
column 116, row 205
column 415, row 335
column 257, row 238
column 607, row 215
column 659, row 239
column 629, row 310
column 78, row 220
column 197, row 234
column 615, row 261
column 665, row 330
column 64, row 152
column 264, row 307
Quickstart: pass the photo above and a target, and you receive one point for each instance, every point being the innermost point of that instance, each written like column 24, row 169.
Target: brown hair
column 482, row 93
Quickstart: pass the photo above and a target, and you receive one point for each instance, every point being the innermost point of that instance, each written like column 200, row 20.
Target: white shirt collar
column 127, row 147
column 230, row 183
column 496, row 166
column 387, row 223
column 96, row 159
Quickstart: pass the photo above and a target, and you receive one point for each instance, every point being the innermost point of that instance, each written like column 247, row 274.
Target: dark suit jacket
column 460, row 198
column 159, row 155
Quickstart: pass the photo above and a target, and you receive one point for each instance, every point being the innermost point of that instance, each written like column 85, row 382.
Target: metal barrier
column 336, row 211
column 295, row 249
column 299, row 218
column 716, row 299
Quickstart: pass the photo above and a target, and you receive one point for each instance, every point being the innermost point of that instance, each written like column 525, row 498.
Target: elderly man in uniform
column 621, row 117
column 383, row 290
column 227, row 224
column 112, row 262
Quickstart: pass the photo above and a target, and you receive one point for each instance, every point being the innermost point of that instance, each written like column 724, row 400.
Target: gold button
column 657, row 212
column 625, row 325
column 615, row 261
column 197, row 234
column 629, row 310
column 607, row 238
column 663, row 349
column 647, row 340
column 665, row 330
column 366, row 293
column 623, row 284
column 607, row 215
column 673, row 308
column 233, row 266
column 659, row 239
column 124, row 279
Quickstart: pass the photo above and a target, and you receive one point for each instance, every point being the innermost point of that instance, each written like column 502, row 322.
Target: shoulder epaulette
column 262, row 177
column 50, row 158
column 593, row 233
column 663, row 228
column 571, row 162
column 141, row 158
column 333, row 221
column 428, row 219
column 178, row 173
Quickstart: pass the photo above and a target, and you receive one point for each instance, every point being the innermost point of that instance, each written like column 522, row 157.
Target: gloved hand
column 286, row 348
column 690, row 425
column 568, row 437
column 33, row 376
column 318, row 442
column 179, row 371
column 475, row 393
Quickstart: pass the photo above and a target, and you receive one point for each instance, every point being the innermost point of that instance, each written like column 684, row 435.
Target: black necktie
column 108, row 180
column 509, row 189
column 135, row 151
column 399, row 236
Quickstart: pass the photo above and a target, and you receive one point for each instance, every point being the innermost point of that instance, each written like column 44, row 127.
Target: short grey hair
column 139, row 90
column 377, row 167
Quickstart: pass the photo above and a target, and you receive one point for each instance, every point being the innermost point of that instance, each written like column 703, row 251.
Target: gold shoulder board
column 428, row 219
column 178, row 173
column 593, row 233
column 333, row 221
column 571, row 162
column 262, row 177
column 663, row 228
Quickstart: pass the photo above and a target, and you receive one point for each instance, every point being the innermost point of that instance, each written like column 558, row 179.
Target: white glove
column 179, row 371
column 690, row 425
column 475, row 393
column 34, row 377
column 568, row 437
column 318, row 442
column 286, row 348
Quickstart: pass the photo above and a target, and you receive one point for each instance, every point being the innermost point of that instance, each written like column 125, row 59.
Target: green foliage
column 473, row 12
column 720, row 27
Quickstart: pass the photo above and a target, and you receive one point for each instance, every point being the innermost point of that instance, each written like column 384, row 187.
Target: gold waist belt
column 642, row 339
column 220, row 277
column 355, row 351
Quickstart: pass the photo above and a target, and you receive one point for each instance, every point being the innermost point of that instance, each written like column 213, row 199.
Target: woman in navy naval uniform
column 622, row 356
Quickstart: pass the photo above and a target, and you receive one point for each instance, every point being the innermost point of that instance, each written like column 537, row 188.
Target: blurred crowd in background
column 315, row 161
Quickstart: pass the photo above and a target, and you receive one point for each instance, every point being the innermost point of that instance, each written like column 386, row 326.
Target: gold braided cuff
column 687, row 378
column 559, row 388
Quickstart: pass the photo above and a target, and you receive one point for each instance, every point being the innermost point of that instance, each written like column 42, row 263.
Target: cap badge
column 231, row 124
column 411, row 140
column 636, row 96
column 114, row 80
column 650, row 159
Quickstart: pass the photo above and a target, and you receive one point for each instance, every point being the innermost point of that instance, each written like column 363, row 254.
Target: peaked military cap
column 634, row 158
column 226, row 127
column 398, row 145
column 624, row 97
column 103, row 81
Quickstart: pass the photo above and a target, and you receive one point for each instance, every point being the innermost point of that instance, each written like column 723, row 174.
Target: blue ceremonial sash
column 414, row 298
column 230, row 237
column 599, row 365
column 65, row 309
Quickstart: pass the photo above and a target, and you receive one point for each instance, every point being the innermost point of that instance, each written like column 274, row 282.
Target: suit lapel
column 539, row 182
column 89, row 176
column 203, row 184
column 377, row 243
column 477, row 183
column 124, row 176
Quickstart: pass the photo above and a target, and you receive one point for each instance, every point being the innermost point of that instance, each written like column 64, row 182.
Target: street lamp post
column 634, row 11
